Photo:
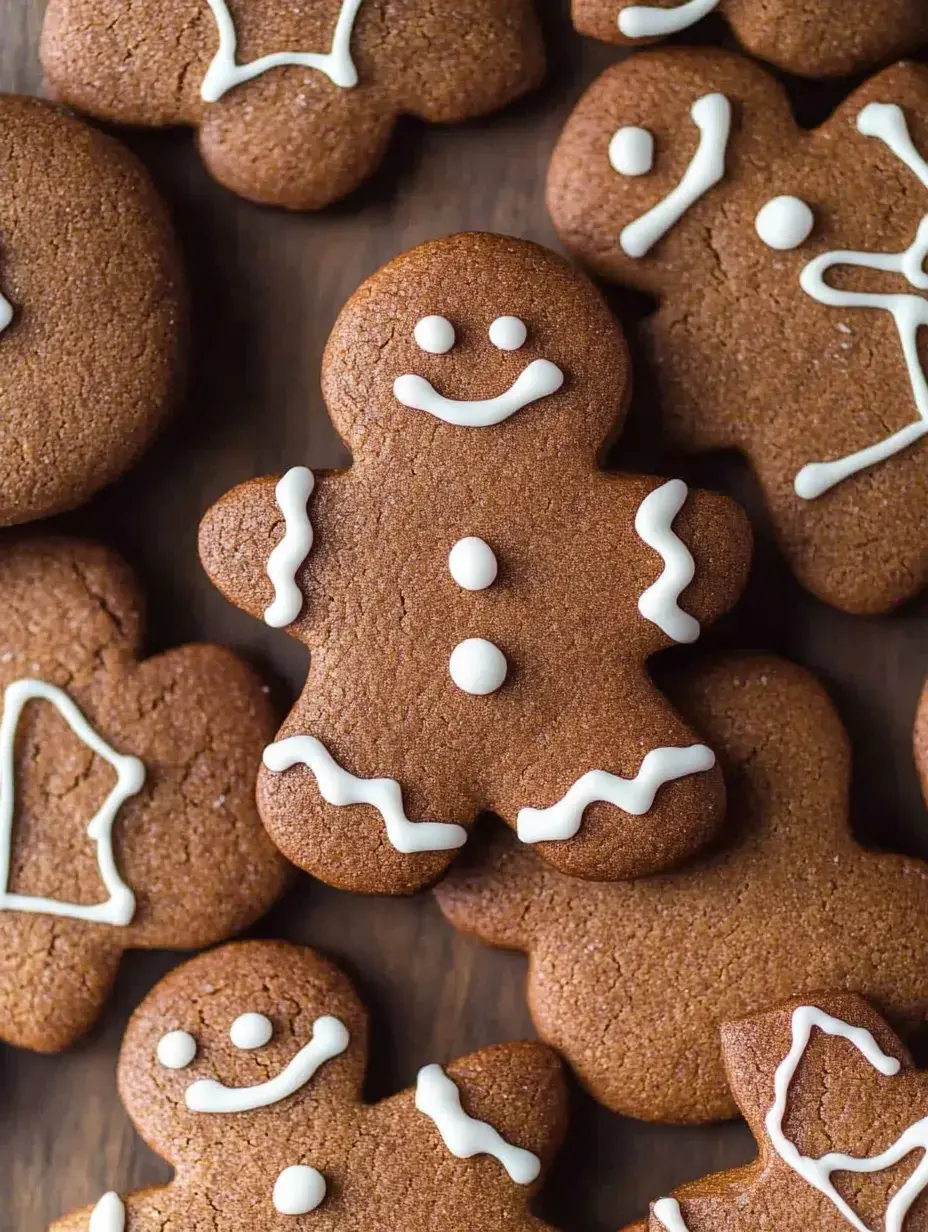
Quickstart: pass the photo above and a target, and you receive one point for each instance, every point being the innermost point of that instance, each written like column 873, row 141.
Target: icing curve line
column 109, row 1215
column 654, row 525
column 292, row 493
column 119, row 907
column 438, row 1097
column 668, row 1214
column 635, row 796
column 648, row 21
column 339, row 787
column 539, row 380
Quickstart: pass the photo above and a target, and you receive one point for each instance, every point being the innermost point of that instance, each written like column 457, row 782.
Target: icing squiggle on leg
column 292, row 492
column 668, row 1214
column 648, row 21
column 654, row 524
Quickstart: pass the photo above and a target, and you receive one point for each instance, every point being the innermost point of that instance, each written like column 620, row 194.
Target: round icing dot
column 472, row 563
column 477, row 666
column 434, row 334
column 631, row 151
column 176, row 1049
column 784, row 223
column 298, row 1190
column 508, row 333
column 251, row 1031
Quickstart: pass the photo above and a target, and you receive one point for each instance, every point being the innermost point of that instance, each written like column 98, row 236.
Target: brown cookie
column 838, row 1111
column 921, row 739
column 244, row 1069
column 826, row 38
column 479, row 597
column 791, row 292
column 293, row 103
column 127, row 816
column 630, row 981
column 91, row 301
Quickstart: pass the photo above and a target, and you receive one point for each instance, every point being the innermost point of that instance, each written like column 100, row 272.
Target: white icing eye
column 176, row 1049
column 784, row 223
column 508, row 333
column 477, row 666
column 434, row 334
column 298, row 1190
column 251, row 1031
column 631, row 151
column 472, row 563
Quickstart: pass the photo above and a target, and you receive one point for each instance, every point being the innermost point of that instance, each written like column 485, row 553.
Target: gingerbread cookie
column 839, row 1113
column 921, row 739
column 824, row 39
column 127, row 816
column 244, row 1068
column 479, row 597
column 91, row 302
column 630, row 981
column 788, row 269
column 293, row 103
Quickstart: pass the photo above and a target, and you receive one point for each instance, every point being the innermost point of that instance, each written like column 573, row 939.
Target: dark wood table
column 267, row 287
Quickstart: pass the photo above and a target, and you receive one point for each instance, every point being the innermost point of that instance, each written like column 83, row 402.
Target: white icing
column 338, row 787
column 224, row 73
column 818, row 1172
column 648, row 21
column 434, row 334
column 631, row 151
column 654, row 524
column 784, row 223
column 636, row 796
column 176, row 1050
column 298, row 1190
column 668, row 1214
column 439, row 1099
column 119, row 907
column 292, row 493
column 477, row 666
column 538, row 380
column 6, row 312
column 109, row 1215
column 712, row 116
column 886, row 122
column 329, row 1038
column 508, row 333
column 472, row 563
column 251, row 1031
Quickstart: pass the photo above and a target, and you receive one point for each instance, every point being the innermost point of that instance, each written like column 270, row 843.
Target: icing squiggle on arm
column 438, row 1097
column 292, row 492
column 668, row 1214
column 109, row 1215
column 654, row 524
column 648, row 21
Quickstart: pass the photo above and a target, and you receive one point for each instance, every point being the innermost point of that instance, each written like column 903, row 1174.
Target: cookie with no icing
column 293, row 103
column 127, row 816
column 480, row 598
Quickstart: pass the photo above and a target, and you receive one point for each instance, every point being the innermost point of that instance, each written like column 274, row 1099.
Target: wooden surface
column 267, row 287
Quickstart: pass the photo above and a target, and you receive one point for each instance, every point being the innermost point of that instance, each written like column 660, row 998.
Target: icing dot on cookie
column 508, row 333
column 434, row 334
column 298, row 1190
column 477, row 666
column 251, row 1031
column 176, row 1049
column 784, row 223
column 631, row 151
column 472, row 563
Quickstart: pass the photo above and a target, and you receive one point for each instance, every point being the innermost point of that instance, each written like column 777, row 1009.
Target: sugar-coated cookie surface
column 91, row 310
column 294, row 103
column 840, row 1115
column 243, row 1068
column 818, row 39
column 631, row 981
column 127, row 816
column 479, row 597
column 788, row 269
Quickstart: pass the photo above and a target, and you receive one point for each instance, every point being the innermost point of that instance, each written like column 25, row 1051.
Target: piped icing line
column 635, row 796
column 224, row 72
column 648, row 21
column 538, row 380
column 329, row 1039
column 292, row 493
column 119, row 907
column 6, row 312
column 668, row 1214
column 339, row 787
column 109, row 1215
column 438, row 1098
column 818, row 1172
column 654, row 525
column 712, row 116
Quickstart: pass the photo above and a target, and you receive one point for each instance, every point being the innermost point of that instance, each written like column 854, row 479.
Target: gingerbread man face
column 841, row 1118
column 294, row 104
column 127, row 817
column 788, row 267
column 479, row 597
column 631, row 981
column 244, row 1068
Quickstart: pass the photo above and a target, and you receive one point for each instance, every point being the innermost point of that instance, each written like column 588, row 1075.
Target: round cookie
column 91, row 310
column 294, row 104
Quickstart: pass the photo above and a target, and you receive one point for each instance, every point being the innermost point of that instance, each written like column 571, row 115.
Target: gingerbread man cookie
column 91, row 301
column 787, row 266
column 479, row 597
column 127, row 815
column 244, row 1068
column 841, row 1118
column 630, row 981
column 294, row 103
column 824, row 39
